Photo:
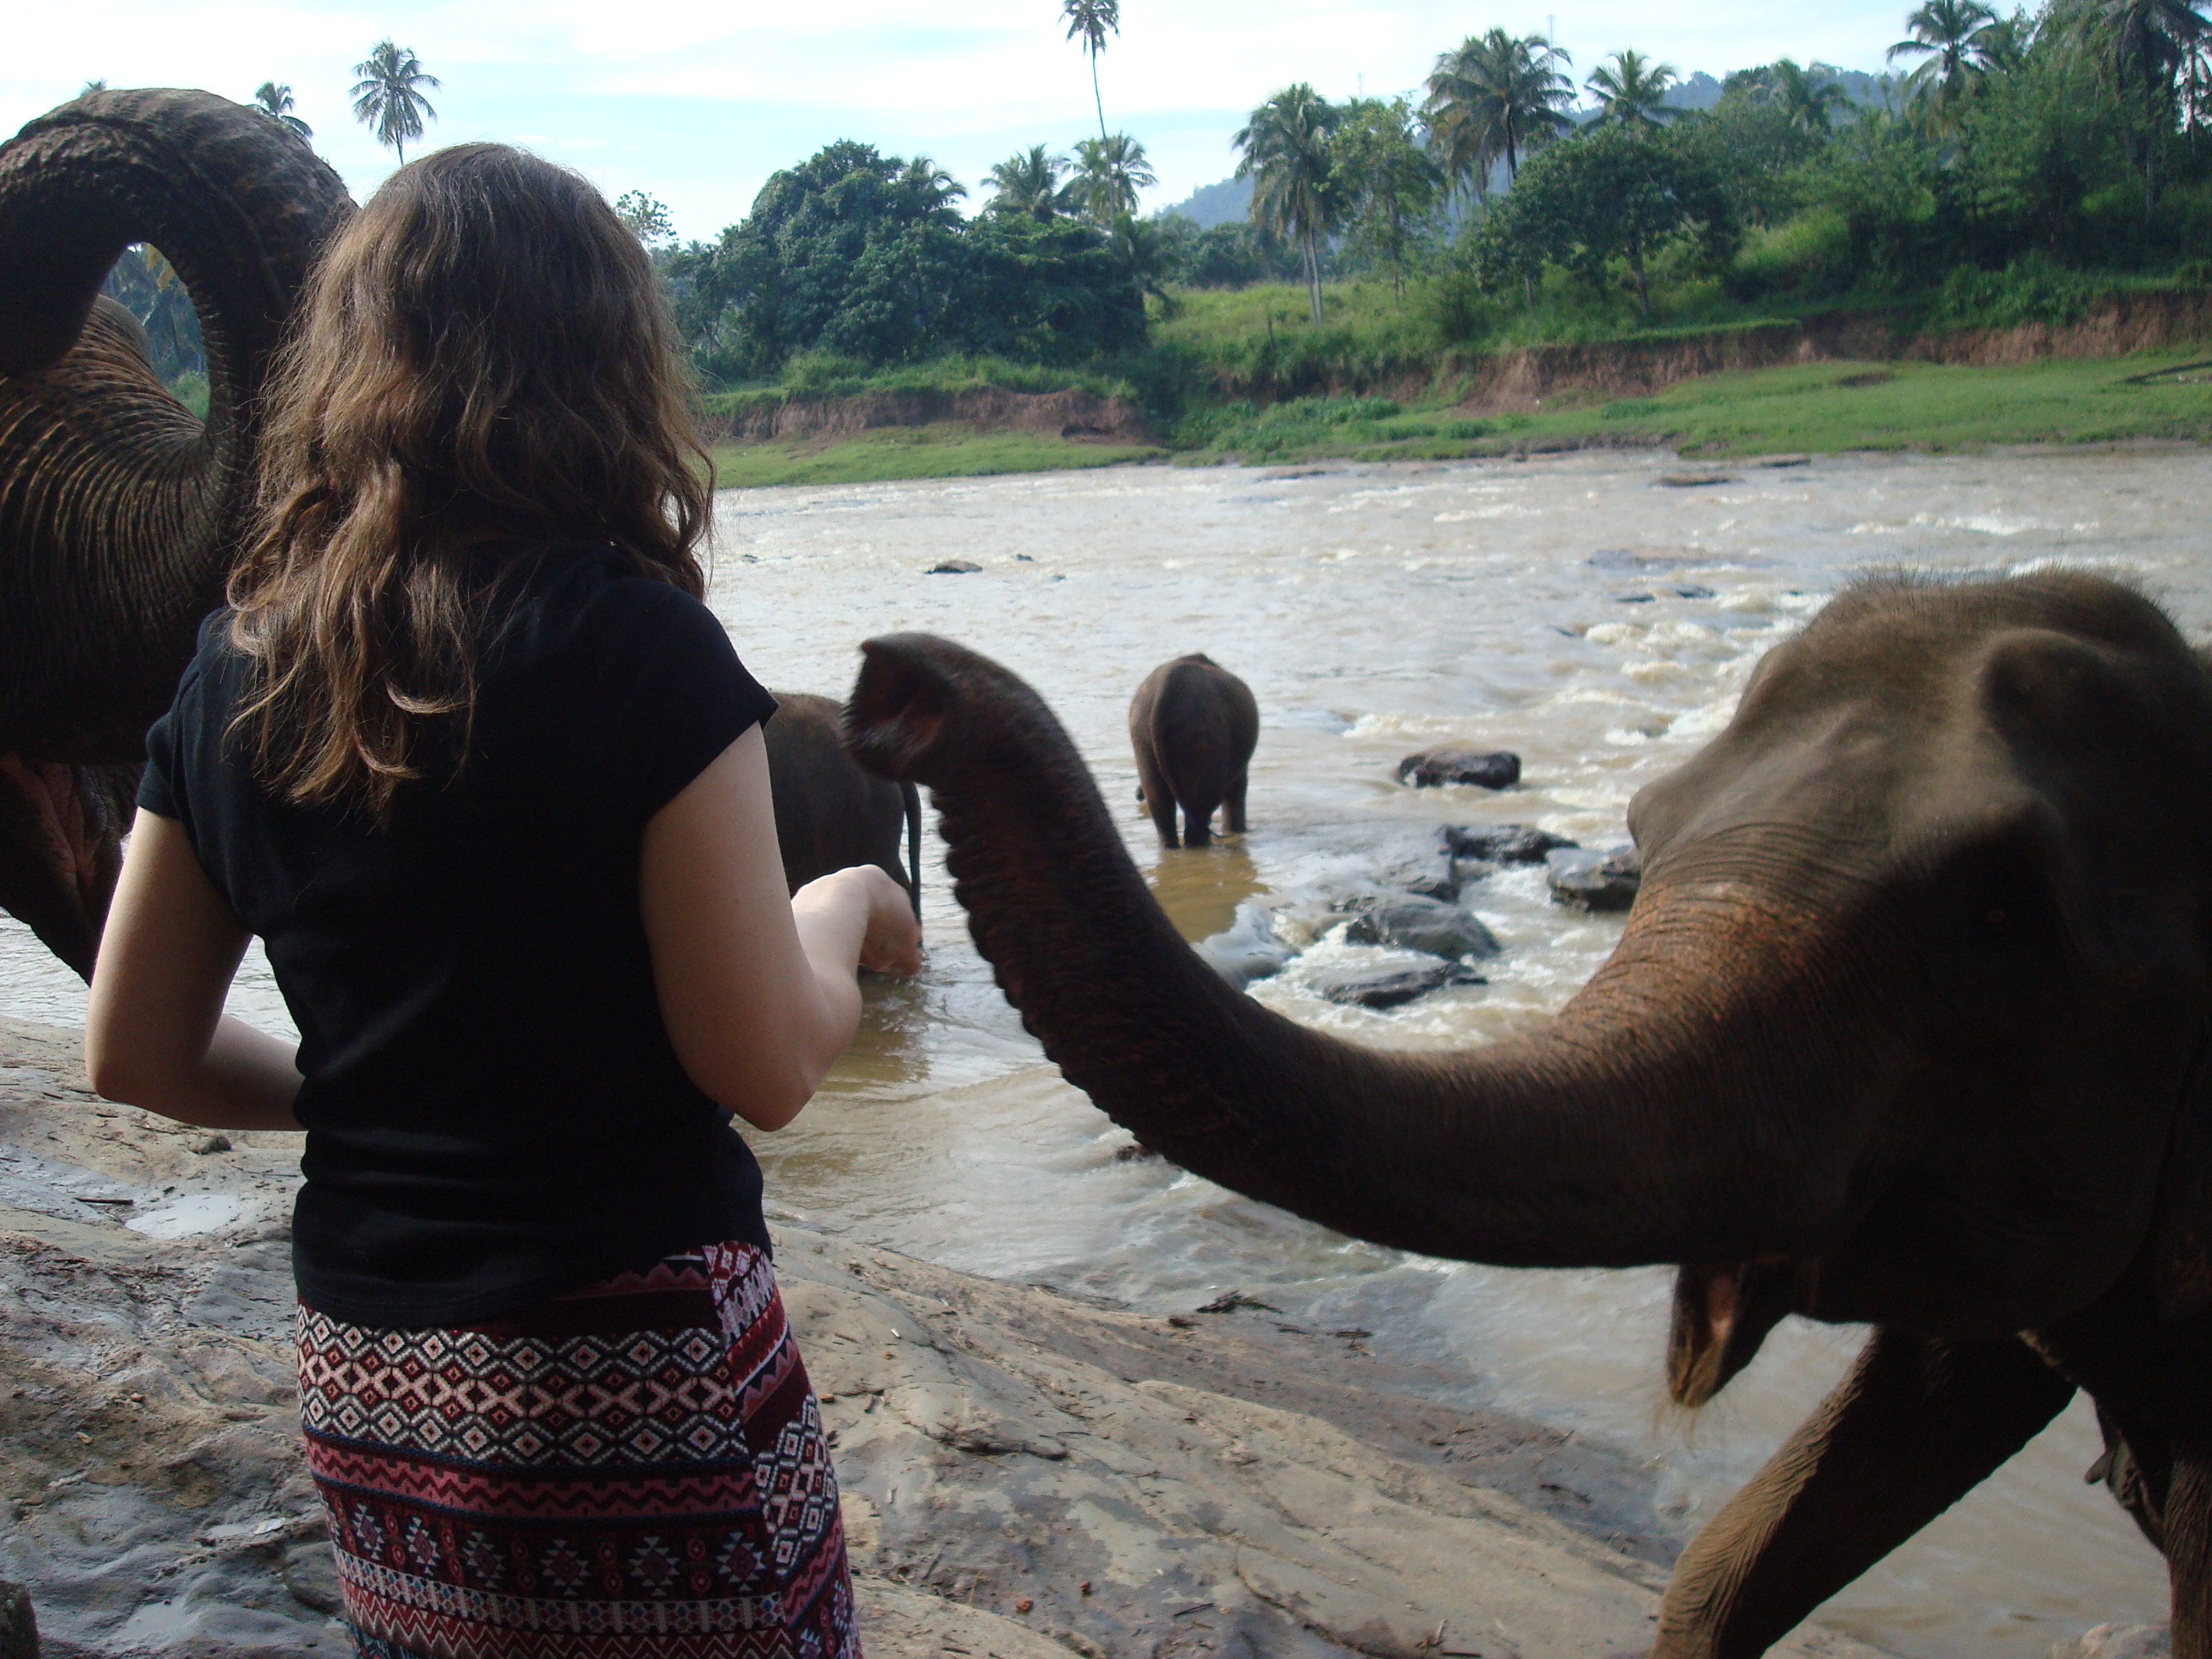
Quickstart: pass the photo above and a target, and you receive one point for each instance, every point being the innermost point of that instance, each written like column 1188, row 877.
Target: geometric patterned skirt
column 633, row 1471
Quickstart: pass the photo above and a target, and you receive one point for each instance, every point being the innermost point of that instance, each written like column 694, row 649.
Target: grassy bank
column 948, row 451
column 1815, row 407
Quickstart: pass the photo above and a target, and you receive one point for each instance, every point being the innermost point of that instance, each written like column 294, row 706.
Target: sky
column 697, row 101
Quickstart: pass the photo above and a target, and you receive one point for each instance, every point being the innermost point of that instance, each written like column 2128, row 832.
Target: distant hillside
column 1228, row 202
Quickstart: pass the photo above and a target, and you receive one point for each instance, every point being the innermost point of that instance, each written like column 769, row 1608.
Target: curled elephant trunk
column 118, row 512
column 1617, row 1136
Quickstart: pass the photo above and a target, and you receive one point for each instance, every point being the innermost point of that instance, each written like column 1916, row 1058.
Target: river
column 1569, row 607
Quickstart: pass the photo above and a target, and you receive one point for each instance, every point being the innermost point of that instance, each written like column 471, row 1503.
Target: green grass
column 930, row 452
column 1924, row 406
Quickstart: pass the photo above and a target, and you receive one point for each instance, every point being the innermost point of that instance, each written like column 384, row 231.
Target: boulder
column 954, row 568
column 1595, row 880
column 1414, row 923
column 1494, row 768
column 1692, row 480
column 1246, row 949
column 1502, row 843
column 2117, row 1641
column 1387, row 985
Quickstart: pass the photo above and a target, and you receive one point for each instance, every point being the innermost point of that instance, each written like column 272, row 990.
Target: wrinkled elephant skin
column 1908, row 1025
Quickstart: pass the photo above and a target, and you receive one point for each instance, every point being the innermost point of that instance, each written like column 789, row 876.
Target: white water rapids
column 1566, row 608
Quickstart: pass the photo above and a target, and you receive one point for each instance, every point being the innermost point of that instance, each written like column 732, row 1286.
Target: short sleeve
column 688, row 697
column 164, row 785
column 157, row 790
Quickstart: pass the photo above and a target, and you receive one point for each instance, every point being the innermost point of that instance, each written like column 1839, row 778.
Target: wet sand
column 1027, row 1472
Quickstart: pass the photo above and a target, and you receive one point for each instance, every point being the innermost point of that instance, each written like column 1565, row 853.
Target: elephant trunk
column 118, row 514
column 1620, row 1135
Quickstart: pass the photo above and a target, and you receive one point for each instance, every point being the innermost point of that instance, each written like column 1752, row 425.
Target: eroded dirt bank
column 1070, row 414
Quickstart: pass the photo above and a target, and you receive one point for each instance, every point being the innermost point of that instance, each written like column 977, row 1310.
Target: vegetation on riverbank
column 941, row 450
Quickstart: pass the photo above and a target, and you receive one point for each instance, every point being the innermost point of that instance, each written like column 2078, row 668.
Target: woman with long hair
column 471, row 756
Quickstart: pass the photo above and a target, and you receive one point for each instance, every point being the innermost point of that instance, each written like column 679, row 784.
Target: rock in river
column 1426, row 925
column 1502, row 843
column 1492, row 769
column 955, row 568
column 1387, row 985
column 1595, row 880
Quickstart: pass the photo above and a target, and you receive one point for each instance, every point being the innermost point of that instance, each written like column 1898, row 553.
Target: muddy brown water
column 1570, row 608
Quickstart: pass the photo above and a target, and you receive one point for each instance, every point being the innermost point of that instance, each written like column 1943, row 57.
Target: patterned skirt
column 634, row 1471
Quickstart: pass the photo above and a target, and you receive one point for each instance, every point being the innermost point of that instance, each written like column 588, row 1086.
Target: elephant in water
column 829, row 812
column 119, row 513
column 1194, row 725
column 1910, row 1024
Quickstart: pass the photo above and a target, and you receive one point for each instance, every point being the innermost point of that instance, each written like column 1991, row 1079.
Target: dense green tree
column 1610, row 192
column 275, row 101
column 1233, row 255
column 1494, row 97
column 1109, row 174
column 646, row 215
column 2150, row 49
column 1090, row 22
column 1285, row 151
column 1030, row 181
column 1632, row 91
column 388, row 98
column 1386, row 185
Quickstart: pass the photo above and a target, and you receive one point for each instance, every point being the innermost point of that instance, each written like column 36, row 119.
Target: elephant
column 1910, row 1023
column 119, row 512
column 1194, row 725
column 829, row 812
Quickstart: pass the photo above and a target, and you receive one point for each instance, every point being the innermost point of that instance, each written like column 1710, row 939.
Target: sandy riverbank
column 1026, row 1473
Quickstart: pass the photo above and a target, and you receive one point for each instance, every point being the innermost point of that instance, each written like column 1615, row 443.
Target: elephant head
column 119, row 513
column 1908, row 1023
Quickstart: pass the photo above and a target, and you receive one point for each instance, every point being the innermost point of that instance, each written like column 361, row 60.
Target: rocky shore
column 1026, row 1473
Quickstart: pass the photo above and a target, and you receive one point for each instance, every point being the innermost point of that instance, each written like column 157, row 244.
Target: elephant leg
column 1197, row 827
column 1159, row 800
column 1232, row 821
column 2189, row 1544
column 1915, row 1426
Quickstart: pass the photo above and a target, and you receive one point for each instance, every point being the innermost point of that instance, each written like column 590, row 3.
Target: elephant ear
column 2181, row 1238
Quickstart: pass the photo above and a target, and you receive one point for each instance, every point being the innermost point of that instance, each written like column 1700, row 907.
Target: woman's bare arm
column 154, row 1032
column 758, row 988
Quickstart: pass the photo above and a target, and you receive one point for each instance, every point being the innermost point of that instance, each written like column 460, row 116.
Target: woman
column 471, row 756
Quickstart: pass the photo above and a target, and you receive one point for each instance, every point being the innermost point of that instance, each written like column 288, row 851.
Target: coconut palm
column 1029, row 181
column 1632, row 91
column 2150, row 48
column 1285, row 154
column 276, row 102
column 1949, row 37
column 929, row 190
column 388, row 99
column 1807, row 99
column 1091, row 21
column 1109, row 174
column 1494, row 96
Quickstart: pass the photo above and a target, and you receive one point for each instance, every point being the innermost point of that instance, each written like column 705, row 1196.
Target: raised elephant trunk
column 1614, row 1137
column 119, row 514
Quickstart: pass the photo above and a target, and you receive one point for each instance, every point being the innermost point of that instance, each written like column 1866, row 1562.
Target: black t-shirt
column 493, row 1110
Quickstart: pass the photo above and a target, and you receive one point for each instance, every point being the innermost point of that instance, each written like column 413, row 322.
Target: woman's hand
column 891, row 937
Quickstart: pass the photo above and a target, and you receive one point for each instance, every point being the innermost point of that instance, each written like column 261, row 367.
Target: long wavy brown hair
column 483, row 365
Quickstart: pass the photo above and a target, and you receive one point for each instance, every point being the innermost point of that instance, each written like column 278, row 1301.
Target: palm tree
column 1633, row 92
column 1286, row 155
column 1092, row 20
column 1109, row 174
column 1808, row 99
column 387, row 99
column 930, row 191
column 1950, row 37
column 1496, row 96
column 275, row 101
column 2152, row 44
column 1029, row 181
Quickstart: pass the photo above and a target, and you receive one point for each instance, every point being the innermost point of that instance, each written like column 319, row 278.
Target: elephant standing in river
column 1910, row 1024
column 1194, row 725
column 120, row 512
column 829, row 812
